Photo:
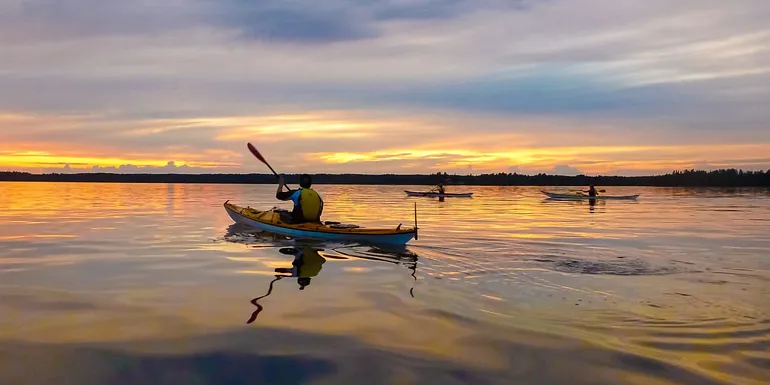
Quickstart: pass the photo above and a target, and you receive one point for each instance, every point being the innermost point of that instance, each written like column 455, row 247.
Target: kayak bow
column 558, row 196
column 270, row 220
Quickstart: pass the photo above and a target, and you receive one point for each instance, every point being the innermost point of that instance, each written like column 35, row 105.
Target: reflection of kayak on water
column 434, row 194
column 558, row 196
column 272, row 221
column 308, row 262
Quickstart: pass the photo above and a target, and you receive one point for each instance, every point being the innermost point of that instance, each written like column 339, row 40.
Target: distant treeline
column 717, row 178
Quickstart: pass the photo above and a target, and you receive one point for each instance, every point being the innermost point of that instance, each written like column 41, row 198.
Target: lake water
column 153, row 284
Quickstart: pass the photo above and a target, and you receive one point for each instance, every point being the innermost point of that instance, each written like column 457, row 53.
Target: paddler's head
column 305, row 181
column 303, row 281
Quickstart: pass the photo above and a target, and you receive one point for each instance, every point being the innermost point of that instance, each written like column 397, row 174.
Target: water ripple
column 502, row 288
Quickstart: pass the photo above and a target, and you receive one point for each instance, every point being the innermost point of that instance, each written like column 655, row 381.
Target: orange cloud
column 439, row 142
column 591, row 159
column 38, row 159
column 308, row 126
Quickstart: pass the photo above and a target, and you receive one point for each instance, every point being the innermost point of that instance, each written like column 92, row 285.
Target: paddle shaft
column 415, row 221
column 601, row 191
column 434, row 189
column 262, row 159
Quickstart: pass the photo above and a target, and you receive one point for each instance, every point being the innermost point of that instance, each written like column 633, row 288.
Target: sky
column 622, row 87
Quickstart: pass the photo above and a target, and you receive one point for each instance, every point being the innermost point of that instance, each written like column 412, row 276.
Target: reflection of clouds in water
column 85, row 365
column 50, row 302
column 490, row 271
column 260, row 356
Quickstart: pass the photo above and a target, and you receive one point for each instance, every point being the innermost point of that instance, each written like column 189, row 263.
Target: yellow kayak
column 270, row 220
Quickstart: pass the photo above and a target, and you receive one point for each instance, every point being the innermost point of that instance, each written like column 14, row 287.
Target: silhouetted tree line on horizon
column 691, row 178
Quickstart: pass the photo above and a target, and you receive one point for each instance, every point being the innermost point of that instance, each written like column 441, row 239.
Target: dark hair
column 305, row 181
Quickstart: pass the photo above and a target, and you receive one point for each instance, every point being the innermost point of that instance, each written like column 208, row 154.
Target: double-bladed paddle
column 262, row 159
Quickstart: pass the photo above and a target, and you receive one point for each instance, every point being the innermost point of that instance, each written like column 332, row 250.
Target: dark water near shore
column 153, row 284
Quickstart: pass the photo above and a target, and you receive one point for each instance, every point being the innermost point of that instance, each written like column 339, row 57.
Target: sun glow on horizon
column 31, row 160
column 591, row 159
column 353, row 142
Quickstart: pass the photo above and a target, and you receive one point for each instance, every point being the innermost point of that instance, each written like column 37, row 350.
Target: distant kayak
column 270, row 220
column 434, row 194
column 587, row 197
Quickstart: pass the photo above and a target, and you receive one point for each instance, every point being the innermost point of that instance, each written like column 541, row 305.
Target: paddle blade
column 256, row 153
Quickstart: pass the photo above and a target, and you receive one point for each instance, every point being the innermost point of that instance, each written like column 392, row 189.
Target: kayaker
column 441, row 188
column 308, row 205
column 592, row 191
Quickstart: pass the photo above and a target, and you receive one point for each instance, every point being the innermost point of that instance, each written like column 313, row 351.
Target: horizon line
column 673, row 172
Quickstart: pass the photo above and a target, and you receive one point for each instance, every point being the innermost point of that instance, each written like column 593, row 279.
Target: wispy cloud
column 132, row 82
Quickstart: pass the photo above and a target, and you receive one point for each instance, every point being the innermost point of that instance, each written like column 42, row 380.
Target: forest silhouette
column 692, row 178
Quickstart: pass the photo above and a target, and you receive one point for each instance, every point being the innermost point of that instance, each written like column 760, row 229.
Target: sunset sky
column 623, row 87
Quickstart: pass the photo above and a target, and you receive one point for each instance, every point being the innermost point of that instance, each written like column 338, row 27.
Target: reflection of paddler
column 306, row 265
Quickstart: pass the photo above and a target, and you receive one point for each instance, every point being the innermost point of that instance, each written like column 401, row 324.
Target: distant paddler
column 440, row 188
column 592, row 191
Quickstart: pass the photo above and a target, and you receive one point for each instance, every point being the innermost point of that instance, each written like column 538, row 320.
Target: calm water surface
column 153, row 284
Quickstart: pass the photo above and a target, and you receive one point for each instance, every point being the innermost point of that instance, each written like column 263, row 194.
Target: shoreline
column 720, row 178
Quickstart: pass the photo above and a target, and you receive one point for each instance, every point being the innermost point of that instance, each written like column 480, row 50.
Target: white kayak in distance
column 434, row 194
column 580, row 197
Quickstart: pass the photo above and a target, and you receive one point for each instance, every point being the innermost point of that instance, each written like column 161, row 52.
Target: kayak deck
column 270, row 220
column 558, row 196
column 434, row 194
